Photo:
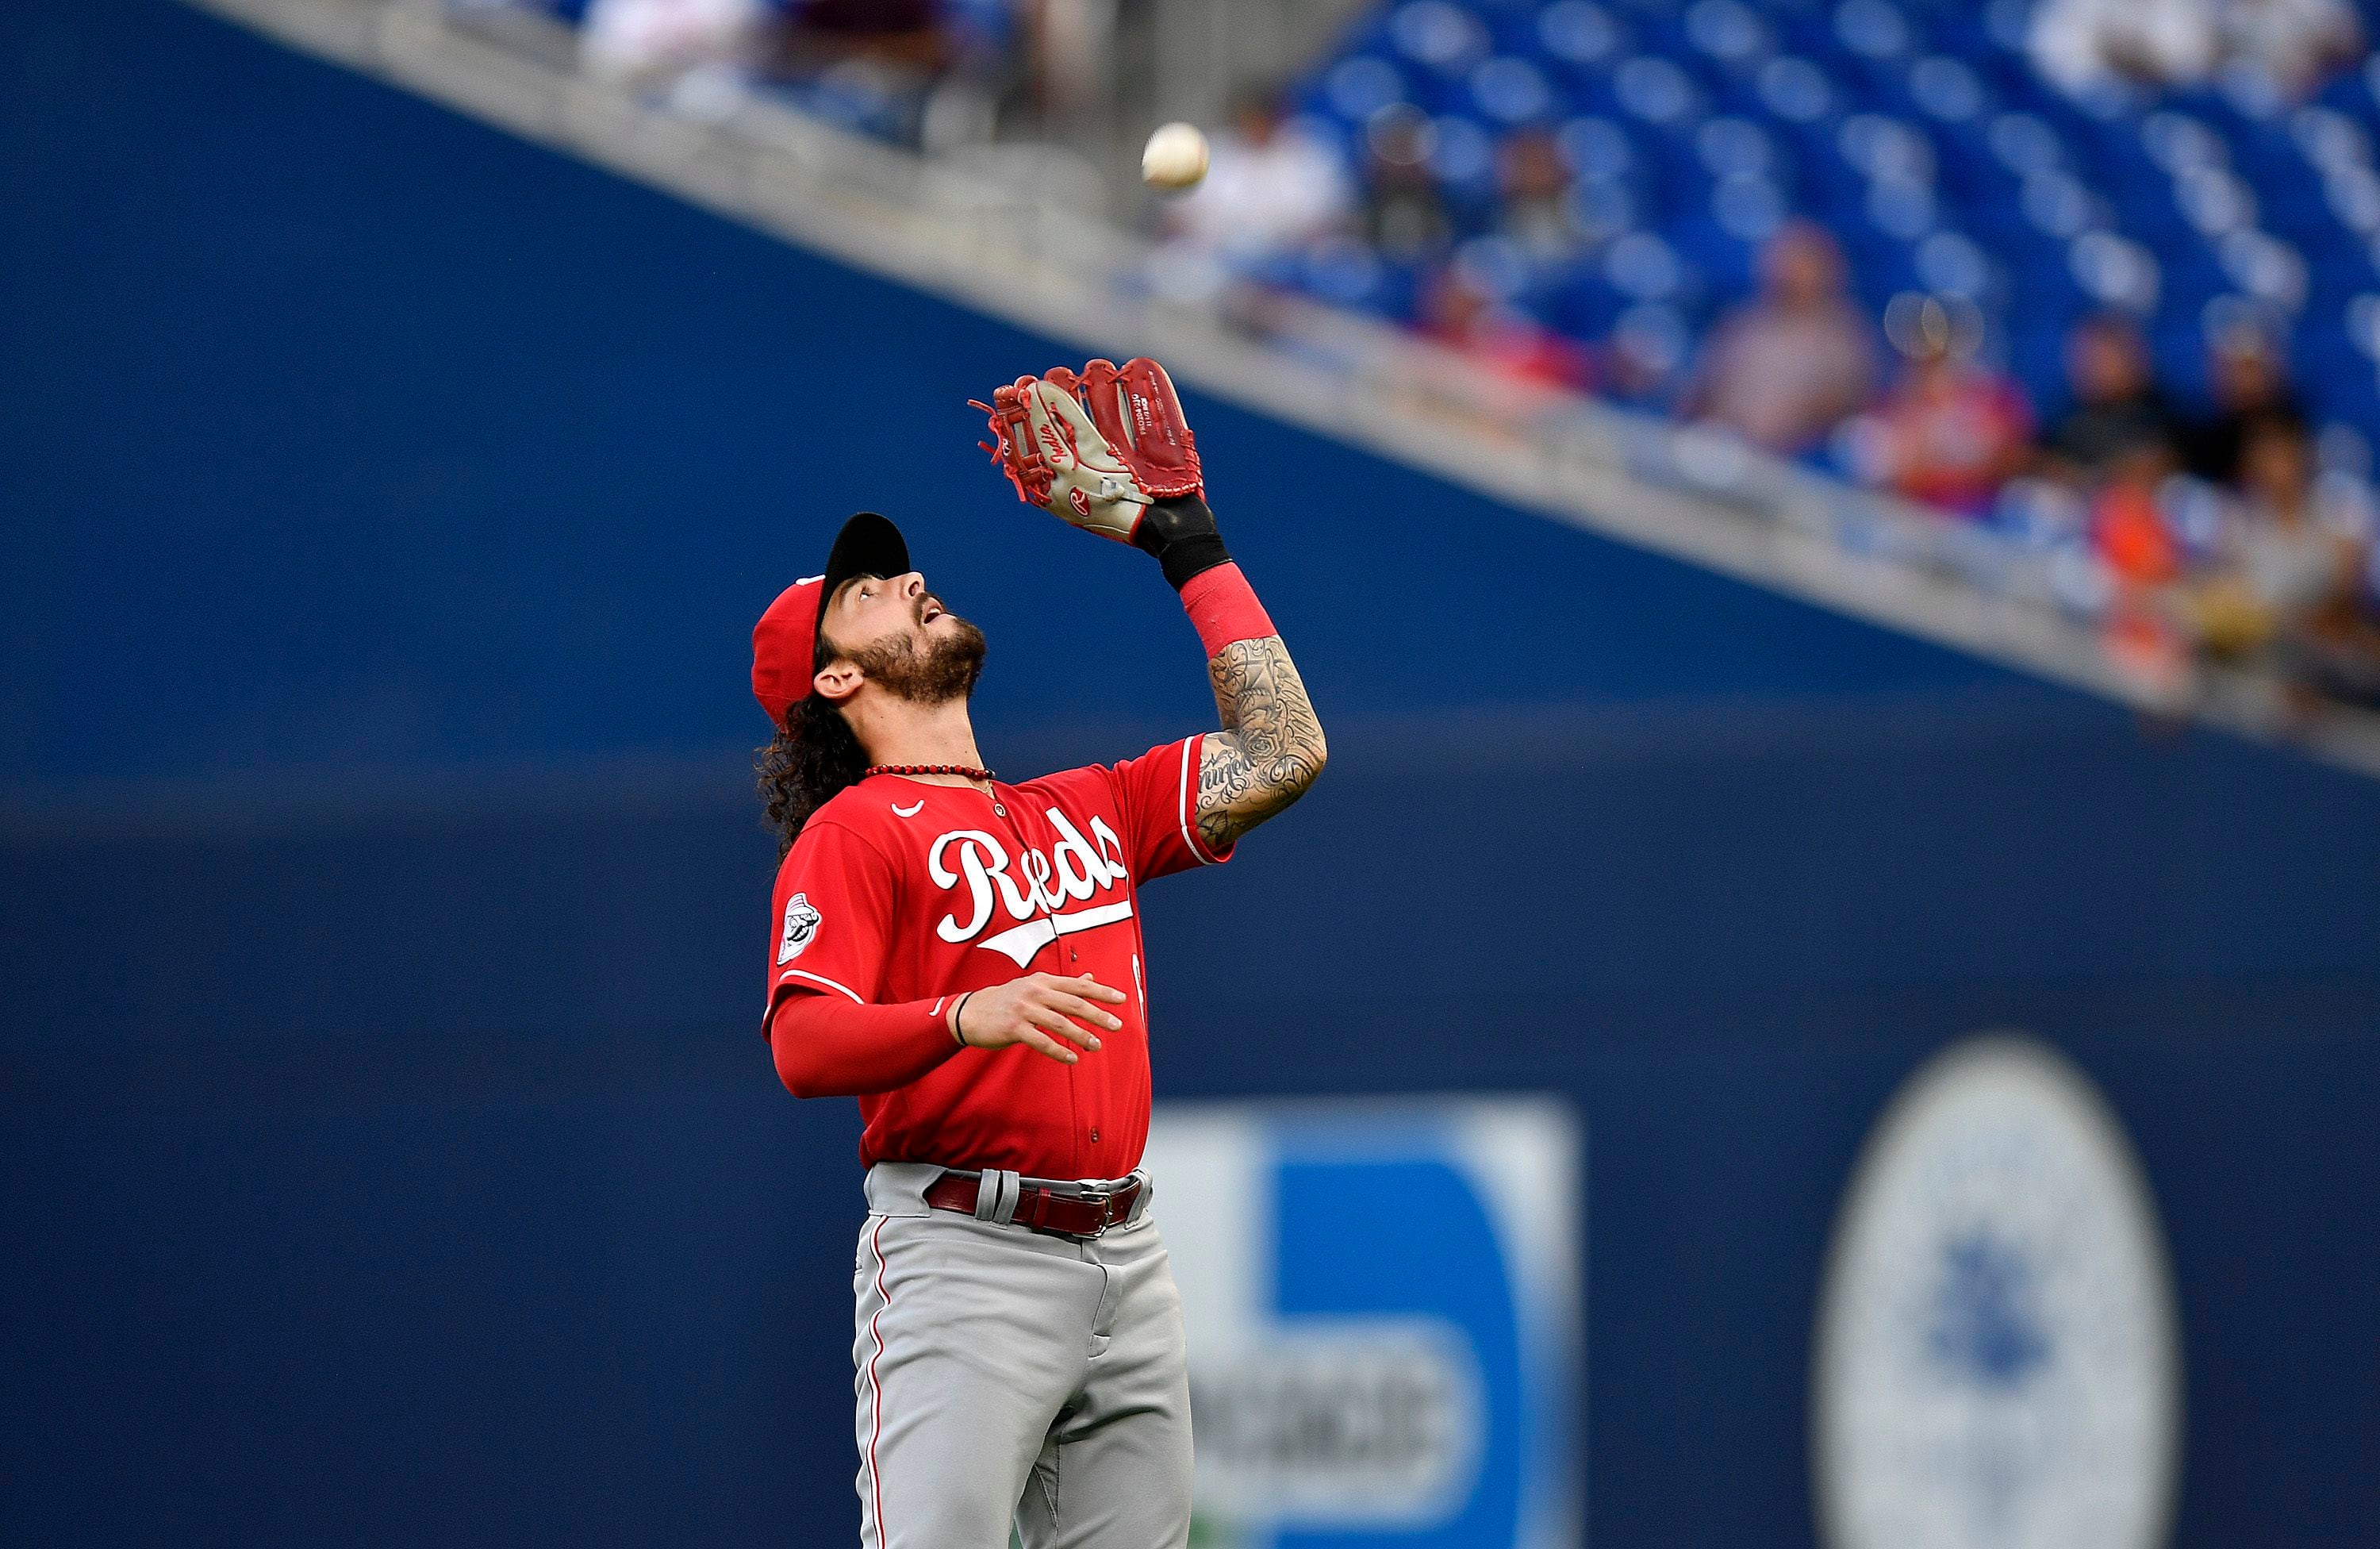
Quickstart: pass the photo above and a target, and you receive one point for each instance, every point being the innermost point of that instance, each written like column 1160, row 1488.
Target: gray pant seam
column 1050, row 1487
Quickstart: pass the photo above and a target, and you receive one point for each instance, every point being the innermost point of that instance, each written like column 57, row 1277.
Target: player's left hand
column 1095, row 449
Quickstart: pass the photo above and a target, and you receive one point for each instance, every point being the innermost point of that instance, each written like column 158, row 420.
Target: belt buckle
column 1096, row 1198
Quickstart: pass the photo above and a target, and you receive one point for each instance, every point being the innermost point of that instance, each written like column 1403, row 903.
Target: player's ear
column 837, row 681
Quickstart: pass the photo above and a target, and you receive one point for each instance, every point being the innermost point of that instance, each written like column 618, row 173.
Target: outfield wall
column 392, row 1156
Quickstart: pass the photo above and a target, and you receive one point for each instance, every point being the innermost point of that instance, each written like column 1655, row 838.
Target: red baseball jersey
column 902, row 891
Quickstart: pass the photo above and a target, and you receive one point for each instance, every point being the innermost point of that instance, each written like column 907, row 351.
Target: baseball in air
column 1175, row 157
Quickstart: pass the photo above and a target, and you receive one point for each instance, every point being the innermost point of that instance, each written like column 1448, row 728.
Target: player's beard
column 944, row 670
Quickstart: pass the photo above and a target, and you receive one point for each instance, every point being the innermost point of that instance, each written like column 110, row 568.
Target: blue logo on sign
column 1408, row 1239
column 1382, row 1317
column 1987, row 1325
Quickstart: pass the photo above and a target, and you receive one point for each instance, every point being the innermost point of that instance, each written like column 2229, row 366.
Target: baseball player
column 965, row 957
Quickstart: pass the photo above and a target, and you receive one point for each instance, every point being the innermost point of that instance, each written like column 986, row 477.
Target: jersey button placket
column 1000, row 810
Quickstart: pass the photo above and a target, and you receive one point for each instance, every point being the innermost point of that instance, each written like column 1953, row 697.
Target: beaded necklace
column 963, row 771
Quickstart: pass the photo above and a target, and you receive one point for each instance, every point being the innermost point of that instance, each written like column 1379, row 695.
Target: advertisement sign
column 1995, row 1364
column 1383, row 1313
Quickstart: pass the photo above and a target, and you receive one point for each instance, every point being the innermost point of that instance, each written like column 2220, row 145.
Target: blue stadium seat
column 1917, row 131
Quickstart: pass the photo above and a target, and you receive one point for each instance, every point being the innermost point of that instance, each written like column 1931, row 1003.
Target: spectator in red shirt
column 2128, row 530
column 1952, row 430
column 1457, row 312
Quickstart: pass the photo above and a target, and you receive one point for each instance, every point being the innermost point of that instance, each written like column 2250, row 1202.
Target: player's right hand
column 1030, row 1010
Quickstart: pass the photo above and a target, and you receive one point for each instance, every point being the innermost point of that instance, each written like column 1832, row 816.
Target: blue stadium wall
column 390, row 1156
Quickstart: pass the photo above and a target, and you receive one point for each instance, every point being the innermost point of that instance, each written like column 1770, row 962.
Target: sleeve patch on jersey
column 801, row 926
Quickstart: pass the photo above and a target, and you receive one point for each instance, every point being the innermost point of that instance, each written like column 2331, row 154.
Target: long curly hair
column 804, row 767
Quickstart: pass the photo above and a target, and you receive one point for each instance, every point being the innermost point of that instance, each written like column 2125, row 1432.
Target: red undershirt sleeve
column 826, row 1047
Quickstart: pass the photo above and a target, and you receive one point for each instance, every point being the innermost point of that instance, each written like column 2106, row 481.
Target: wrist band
column 1185, row 559
column 957, row 1012
column 1224, row 610
column 1181, row 533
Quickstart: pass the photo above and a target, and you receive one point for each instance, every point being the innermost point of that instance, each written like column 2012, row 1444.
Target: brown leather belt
column 1082, row 1213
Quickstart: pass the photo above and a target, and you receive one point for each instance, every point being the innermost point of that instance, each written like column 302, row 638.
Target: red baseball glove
column 1098, row 448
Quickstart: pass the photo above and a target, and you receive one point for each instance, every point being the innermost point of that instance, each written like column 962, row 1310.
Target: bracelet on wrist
column 957, row 1033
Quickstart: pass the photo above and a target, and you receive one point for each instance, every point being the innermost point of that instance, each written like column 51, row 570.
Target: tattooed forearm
column 1270, row 748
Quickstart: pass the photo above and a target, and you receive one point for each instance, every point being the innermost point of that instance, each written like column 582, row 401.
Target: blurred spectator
column 927, row 73
column 2116, row 446
column 2140, row 559
column 1952, row 431
column 1074, row 54
column 2086, row 45
column 1460, row 312
column 1536, row 210
column 2128, row 525
column 1404, row 214
column 1269, row 186
column 1784, row 369
column 2245, row 371
column 2118, row 416
column 1646, row 355
column 2291, row 574
column 2083, row 46
column 625, row 40
column 908, row 31
column 2297, row 45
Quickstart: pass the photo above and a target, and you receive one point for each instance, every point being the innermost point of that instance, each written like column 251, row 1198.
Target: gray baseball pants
column 1005, row 1376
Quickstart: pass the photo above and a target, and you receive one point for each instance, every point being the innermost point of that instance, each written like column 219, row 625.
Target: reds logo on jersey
column 801, row 924
column 1044, row 894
